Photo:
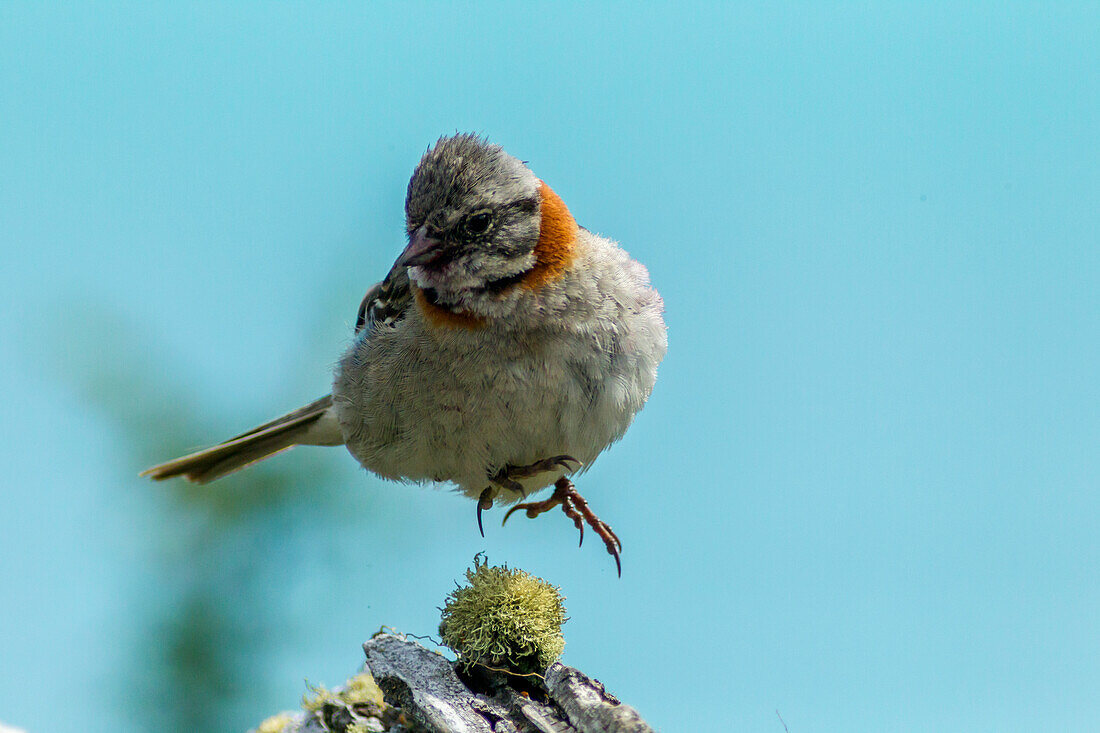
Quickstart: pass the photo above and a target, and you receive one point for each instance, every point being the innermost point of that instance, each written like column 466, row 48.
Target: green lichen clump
column 360, row 690
column 357, row 707
column 275, row 724
column 504, row 619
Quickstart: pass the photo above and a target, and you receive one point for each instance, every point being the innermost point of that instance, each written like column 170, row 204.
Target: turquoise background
column 864, row 492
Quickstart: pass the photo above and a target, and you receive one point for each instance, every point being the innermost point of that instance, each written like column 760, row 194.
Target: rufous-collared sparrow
column 504, row 351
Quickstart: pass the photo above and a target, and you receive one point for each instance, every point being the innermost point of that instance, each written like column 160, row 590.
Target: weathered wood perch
column 422, row 691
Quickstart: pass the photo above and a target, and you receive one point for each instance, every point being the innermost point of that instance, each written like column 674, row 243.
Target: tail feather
column 313, row 424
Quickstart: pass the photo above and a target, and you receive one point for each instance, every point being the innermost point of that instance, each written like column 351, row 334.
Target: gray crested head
column 472, row 216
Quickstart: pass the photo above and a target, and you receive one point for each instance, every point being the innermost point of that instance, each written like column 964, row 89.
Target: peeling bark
column 423, row 691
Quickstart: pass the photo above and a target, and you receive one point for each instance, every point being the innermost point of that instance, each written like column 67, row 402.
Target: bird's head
column 480, row 225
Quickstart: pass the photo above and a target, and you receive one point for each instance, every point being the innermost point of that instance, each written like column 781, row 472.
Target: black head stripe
column 502, row 284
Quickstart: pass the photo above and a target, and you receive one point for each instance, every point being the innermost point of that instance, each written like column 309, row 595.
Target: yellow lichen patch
column 504, row 619
column 362, row 688
column 316, row 698
column 275, row 724
column 359, row 689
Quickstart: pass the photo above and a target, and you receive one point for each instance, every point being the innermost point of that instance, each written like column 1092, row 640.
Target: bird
column 504, row 351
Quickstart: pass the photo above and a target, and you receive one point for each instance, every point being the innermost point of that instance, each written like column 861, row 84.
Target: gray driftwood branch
column 421, row 691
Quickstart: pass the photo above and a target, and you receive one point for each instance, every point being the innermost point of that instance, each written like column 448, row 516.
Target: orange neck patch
column 442, row 317
column 554, row 254
column 556, row 248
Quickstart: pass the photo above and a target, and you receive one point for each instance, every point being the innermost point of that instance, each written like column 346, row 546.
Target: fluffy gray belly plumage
column 421, row 404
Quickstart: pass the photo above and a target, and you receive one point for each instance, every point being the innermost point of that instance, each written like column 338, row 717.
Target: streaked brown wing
column 386, row 303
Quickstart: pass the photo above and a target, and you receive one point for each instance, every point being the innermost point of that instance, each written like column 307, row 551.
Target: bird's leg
column 576, row 508
column 506, row 479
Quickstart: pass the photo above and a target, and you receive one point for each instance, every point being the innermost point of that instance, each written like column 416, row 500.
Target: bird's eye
column 478, row 223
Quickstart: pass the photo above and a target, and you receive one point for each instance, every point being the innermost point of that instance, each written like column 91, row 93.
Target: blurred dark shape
column 220, row 557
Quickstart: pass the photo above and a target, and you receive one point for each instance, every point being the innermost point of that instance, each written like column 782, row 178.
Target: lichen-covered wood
column 422, row 691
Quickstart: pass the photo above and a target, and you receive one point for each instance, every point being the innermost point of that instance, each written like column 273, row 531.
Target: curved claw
column 533, row 510
column 509, row 513
column 569, row 506
column 566, row 463
column 485, row 501
column 507, row 475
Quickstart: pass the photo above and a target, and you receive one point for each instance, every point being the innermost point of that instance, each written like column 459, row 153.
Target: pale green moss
column 275, row 724
column 316, row 698
column 359, row 689
column 504, row 619
column 362, row 688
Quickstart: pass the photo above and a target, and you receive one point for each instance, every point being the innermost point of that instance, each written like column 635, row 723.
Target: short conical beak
column 422, row 249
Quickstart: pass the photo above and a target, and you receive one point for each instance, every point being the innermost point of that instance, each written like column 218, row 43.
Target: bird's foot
column 576, row 508
column 507, row 476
